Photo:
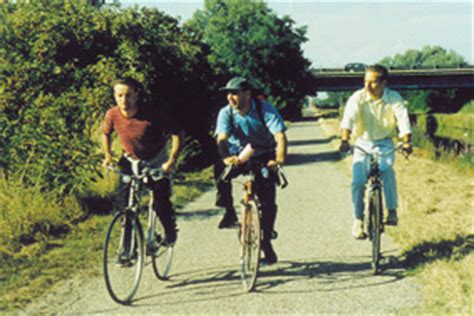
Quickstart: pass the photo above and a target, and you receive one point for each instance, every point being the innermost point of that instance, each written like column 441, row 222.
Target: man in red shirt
column 143, row 135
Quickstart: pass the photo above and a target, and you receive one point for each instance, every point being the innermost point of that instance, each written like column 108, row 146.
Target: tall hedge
column 57, row 60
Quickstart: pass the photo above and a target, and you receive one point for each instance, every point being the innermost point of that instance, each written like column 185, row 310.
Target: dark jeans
column 161, row 199
column 265, row 189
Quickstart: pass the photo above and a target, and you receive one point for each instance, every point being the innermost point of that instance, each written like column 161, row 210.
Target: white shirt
column 374, row 120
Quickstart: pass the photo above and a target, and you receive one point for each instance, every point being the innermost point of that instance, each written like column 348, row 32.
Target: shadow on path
column 300, row 159
column 198, row 214
column 311, row 141
column 331, row 275
column 339, row 275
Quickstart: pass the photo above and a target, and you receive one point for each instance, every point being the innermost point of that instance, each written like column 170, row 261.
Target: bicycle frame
column 375, row 225
column 137, row 189
column 250, row 232
column 133, row 241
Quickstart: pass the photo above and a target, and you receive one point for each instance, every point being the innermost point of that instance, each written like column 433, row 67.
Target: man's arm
column 176, row 141
column 345, row 136
column 403, row 123
column 223, row 147
column 107, row 148
column 407, row 145
column 281, row 149
column 348, row 120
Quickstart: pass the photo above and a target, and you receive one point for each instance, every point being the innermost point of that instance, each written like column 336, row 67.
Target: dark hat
column 237, row 84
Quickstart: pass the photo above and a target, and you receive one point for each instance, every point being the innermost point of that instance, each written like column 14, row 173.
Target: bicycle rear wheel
column 163, row 256
column 250, row 239
column 123, row 261
column 375, row 210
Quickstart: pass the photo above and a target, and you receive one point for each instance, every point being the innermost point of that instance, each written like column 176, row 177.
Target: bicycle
column 124, row 250
column 374, row 220
column 250, row 232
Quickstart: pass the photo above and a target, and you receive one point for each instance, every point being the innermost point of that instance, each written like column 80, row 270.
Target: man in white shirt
column 371, row 116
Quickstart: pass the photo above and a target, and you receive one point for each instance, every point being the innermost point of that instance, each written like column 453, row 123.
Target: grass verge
column 29, row 270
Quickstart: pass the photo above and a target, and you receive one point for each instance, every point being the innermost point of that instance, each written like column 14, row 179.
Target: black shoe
column 228, row 221
column 151, row 249
column 270, row 256
column 124, row 259
column 171, row 237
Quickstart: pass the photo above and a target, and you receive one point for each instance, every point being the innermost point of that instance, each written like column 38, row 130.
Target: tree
column 246, row 38
column 441, row 100
column 427, row 56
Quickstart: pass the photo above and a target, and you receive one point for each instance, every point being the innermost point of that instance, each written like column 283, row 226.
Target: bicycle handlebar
column 397, row 147
column 283, row 181
column 251, row 166
column 146, row 171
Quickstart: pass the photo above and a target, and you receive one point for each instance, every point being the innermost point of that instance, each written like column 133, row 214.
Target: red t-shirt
column 142, row 136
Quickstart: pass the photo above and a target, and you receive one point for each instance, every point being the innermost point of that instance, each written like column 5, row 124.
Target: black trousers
column 265, row 189
column 161, row 198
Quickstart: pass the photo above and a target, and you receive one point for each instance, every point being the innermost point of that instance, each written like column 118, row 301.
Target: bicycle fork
column 374, row 188
column 151, row 239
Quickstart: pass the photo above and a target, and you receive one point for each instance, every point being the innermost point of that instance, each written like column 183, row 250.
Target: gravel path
column 321, row 269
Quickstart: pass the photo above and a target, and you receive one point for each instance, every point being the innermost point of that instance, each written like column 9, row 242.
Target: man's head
column 375, row 80
column 239, row 92
column 126, row 93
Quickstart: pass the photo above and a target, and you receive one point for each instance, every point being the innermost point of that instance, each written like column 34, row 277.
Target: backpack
column 258, row 103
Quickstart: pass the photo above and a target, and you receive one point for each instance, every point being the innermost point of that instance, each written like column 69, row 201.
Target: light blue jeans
column 360, row 173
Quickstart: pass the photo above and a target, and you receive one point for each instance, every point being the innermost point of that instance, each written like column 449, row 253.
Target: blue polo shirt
column 249, row 128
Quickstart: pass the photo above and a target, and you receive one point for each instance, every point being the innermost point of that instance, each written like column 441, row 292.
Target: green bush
column 468, row 109
column 457, row 126
column 58, row 59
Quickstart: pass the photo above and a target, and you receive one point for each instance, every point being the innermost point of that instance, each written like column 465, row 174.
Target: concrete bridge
column 400, row 79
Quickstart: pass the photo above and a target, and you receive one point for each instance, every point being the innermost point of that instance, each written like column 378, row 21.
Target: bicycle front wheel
column 250, row 239
column 375, row 209
column 163, row 256
column 123, row 257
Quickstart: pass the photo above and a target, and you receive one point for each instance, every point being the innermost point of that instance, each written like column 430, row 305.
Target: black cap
column 237, row 84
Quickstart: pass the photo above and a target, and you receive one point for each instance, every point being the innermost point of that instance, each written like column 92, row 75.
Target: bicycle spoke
column 250, row 243
column 123, row 259
column 163, row 257
column 376, row 222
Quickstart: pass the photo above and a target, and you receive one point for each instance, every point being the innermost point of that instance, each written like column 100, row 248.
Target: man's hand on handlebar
column 274, row 164
column 407, row 149
column 345, row 146
column 108, row 161
column 168, row 166
column 231, row 161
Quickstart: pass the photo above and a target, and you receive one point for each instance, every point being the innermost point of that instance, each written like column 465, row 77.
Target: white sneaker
column 358, row 229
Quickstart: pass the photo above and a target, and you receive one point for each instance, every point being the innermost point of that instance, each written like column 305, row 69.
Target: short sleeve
column 223, row 121
column 273, row 119
column 108, row 124
column 348, row 118
column 403, row 119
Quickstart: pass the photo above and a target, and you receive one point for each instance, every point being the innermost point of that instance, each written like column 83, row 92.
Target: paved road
column 321, row 268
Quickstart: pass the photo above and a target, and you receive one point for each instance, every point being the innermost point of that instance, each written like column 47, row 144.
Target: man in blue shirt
column 244, row 121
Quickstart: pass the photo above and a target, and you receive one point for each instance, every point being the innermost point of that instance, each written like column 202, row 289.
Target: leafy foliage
column 58, row 59
column 247, row 39
column 442, row 100
column 427, row 56
column 468, row 108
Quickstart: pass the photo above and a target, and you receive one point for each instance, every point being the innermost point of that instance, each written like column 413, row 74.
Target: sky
column 362, row 31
